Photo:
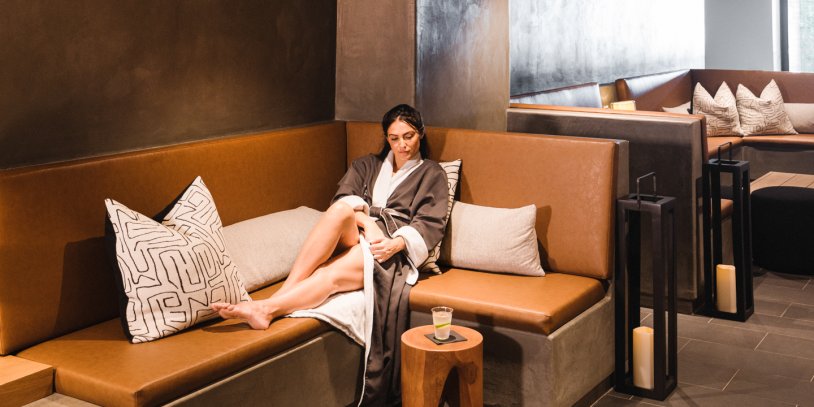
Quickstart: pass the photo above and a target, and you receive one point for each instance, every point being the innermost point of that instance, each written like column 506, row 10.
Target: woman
column 397, row 202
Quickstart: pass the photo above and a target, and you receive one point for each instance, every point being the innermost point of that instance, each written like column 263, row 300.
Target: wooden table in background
column 783, row 179
column 425, row 367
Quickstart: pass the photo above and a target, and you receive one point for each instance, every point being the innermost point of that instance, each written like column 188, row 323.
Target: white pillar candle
column 643, row 357
column 726, row 299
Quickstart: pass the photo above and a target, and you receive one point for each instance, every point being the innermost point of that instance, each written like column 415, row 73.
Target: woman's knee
column 340, row 211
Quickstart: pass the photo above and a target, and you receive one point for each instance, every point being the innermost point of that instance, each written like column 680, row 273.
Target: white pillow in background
column 492, row 239
column 801, row 116
column 683, row 108
column 764, row 114
column 264, row 248
column 721, row 112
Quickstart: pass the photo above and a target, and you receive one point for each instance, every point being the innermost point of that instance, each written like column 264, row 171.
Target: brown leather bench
column 787, row 153
column 58, row 306
column 672, row 145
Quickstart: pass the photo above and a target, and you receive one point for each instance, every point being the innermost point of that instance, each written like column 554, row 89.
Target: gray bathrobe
column 419, row 202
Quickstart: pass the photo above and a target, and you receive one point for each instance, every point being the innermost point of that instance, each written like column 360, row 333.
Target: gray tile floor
column 765, row 361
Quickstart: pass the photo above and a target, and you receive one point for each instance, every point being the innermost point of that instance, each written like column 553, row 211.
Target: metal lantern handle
column 638, row 192
column 730, row 151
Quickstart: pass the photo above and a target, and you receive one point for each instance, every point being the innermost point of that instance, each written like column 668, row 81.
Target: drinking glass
column 442, row 320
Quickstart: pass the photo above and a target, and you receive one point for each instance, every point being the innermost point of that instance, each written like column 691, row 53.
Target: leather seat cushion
column 532, row 304
column 99, row 365
column 788, row 140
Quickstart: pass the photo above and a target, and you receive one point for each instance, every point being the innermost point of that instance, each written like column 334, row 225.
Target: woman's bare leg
column 335, row 231
column 345, row 272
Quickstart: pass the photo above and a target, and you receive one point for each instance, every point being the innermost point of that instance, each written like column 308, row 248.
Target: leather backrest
column 583, row 95
column 570, row 180
column 652, row 92
column 54, row 276
column 796, row 87
column 672, row 145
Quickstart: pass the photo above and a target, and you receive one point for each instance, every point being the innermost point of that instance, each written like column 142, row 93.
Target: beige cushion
column 764, row 114
column 801, row 116
column 682, row 108
column 721, row 112
column 170, row 272
column 453, row 170
column 264, row 248
column 493, row 239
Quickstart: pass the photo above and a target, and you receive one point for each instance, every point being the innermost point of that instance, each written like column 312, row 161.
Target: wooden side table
column 425, row 367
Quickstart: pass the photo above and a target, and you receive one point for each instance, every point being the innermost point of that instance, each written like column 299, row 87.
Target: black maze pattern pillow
column 170, row 272
column 453, row 170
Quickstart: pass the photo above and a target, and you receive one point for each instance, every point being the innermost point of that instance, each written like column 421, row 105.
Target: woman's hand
column 384, row 248
column 369, row 227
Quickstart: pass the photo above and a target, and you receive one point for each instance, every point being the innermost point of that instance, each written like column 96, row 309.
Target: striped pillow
column 765, row 114
column 453, row 170
column 721, row 112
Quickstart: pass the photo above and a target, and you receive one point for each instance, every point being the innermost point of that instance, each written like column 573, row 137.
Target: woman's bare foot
column 255, row 313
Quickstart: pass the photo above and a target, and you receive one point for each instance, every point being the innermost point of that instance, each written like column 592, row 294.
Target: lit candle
column 726, row 299
column 643, row 357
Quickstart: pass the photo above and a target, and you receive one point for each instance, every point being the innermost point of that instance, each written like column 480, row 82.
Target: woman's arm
column 382, row 247
column 369, row 227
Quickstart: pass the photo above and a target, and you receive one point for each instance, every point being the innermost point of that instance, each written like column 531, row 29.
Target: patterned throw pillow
column 765, row 114
column 721, row 112
column 169, row 272
column 453, row 170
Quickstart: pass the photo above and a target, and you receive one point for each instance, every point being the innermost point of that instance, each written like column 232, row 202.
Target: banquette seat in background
column 672, row 145
column 785, row 153
column 675, row 145
column 547, row 340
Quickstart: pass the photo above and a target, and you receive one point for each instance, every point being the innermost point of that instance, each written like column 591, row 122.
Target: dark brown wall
column 89, row 77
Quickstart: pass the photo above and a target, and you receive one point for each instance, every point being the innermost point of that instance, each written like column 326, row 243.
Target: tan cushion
column 99, row 365
column 801, row 116
column 264, row 248
column 791, row 140
column 500, row 240
column 532, row 304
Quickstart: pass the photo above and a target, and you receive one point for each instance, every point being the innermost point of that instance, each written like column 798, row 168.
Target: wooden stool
column 425, row 367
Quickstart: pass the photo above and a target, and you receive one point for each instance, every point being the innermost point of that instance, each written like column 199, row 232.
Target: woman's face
column 404, row 141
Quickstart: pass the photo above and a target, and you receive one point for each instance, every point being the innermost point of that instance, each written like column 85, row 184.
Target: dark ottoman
column 783, row 229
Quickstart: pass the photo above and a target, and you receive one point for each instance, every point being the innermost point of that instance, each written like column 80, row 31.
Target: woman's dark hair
column 412, row 117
